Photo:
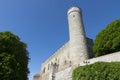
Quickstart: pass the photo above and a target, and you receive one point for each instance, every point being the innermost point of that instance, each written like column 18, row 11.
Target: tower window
column 65, row 62
column 48, row 66
column 73, row 15
column 70, row 63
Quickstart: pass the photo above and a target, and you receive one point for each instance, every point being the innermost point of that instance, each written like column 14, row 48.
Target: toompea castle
column 76, row 52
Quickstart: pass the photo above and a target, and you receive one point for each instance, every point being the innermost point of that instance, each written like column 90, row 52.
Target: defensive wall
column 58, row 57
column 60, row 61
column 76, row 52
column 113, row 57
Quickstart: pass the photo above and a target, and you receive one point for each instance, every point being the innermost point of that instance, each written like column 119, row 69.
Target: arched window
column 48, row 66
column 65, row 61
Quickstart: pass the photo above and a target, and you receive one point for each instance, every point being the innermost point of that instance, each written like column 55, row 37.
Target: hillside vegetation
column 98, row 71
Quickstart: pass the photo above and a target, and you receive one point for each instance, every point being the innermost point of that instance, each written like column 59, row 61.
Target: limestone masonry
column 76, row 52
column 60, row 65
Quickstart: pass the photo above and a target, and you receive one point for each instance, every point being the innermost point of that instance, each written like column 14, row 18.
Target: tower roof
column 72, row 9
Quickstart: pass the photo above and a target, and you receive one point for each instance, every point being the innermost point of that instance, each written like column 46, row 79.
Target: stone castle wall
column 67, row 72
column 64, row 74
column 60, row 61
column 76, row 52
column 113, row 57
column 57, row 62
column 57, row 58
column 62, row 57
column 77, row 49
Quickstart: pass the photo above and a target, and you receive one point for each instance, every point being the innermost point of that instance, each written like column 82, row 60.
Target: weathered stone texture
column 61, row 64
column 76, row 52
column 57, row 62
column 60, row 57
column 64, row 74
column 78, row 48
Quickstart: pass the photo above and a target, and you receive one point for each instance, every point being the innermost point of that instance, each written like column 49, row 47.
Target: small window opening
column 73, row 15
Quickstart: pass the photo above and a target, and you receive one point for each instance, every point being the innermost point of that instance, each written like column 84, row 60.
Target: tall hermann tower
column 78, row 44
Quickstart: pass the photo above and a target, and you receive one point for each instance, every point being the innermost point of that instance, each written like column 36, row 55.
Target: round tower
column 78, row 44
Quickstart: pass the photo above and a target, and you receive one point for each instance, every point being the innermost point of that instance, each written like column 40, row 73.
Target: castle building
column 76, row 52
column 60, row 65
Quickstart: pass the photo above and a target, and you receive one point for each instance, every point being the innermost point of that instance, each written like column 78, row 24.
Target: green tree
column 14, row 57
column 108, row 40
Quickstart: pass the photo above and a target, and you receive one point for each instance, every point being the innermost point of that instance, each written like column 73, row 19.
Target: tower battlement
column 73, row 9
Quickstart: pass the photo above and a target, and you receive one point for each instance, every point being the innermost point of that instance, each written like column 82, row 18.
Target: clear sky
column 43, row 25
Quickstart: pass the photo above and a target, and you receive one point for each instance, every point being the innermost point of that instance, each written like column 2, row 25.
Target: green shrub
column 98, row 71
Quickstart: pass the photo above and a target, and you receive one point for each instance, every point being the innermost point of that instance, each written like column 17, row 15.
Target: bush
column 98, row 71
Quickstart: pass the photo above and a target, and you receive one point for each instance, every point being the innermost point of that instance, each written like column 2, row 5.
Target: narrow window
column 73, row 15
column 65, row 62
column 48, row 66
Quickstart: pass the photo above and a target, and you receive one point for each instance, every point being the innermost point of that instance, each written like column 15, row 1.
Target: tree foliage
column 13, row 57
column 98, row 71
column 108, row 40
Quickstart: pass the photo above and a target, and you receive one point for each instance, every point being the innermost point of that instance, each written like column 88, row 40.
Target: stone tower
column 78, row 44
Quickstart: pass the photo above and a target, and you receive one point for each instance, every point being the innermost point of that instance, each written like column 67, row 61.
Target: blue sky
column 43, row 25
